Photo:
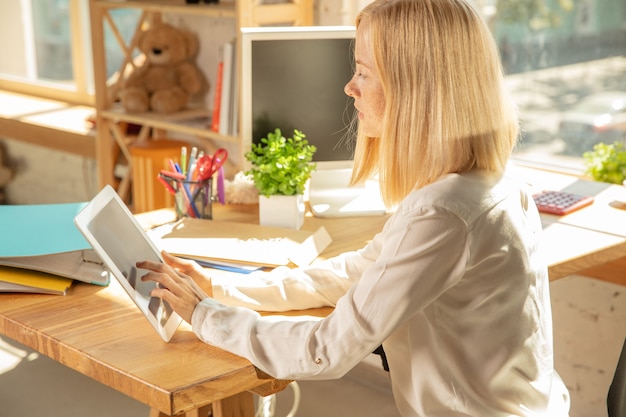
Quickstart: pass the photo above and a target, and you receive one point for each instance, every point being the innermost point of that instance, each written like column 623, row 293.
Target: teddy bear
column 169, row 79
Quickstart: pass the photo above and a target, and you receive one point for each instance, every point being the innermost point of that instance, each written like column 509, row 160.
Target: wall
column 41, row 175
column 12, row 45
column 45, row 176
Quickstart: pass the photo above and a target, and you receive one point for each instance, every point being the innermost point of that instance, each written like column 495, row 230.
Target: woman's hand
column 192, row 269
column 177, row 285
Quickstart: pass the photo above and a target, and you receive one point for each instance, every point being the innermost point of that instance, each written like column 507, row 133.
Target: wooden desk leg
column 240, row 405
column 199, row 412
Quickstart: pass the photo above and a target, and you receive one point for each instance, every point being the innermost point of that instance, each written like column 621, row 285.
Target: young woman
column 454, row 286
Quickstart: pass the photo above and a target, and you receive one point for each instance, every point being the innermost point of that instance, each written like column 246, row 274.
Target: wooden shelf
column 192, row 122
column 54, row 124
column 223, row 9
column 110, row 137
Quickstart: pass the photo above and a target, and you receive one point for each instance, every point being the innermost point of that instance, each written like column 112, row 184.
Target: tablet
column 119, row 240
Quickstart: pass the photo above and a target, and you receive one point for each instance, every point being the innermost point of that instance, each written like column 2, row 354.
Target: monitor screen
column 294, row 78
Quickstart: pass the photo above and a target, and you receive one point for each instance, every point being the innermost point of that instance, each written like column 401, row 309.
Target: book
column 43, row 237
column 217, row 99
column 22, row 280
column 81, row 265
column 234, row 92
column 226, row 90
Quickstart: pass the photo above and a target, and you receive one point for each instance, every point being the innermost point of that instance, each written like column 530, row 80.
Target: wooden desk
column 586, row 239
column 99, row 332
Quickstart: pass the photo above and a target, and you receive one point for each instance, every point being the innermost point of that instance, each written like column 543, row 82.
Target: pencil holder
column 194, row 199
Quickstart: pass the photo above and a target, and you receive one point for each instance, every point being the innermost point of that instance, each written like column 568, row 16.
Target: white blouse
column 454, row 287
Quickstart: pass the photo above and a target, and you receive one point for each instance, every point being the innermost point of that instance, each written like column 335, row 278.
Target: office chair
column 616, row 399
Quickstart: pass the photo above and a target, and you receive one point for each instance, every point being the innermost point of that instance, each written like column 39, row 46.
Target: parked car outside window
column 598, row 117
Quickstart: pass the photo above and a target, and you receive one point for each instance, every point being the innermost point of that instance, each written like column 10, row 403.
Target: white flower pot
column 282, row 211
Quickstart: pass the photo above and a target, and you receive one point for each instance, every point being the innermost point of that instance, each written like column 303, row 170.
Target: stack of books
column 42, row 251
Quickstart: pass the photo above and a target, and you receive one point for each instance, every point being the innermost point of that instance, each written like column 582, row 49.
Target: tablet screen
column 115, row 236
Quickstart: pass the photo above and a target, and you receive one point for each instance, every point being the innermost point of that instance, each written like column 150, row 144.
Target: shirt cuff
column 199, row 315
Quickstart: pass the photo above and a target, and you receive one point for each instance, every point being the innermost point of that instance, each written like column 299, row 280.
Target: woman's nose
column 349, row 89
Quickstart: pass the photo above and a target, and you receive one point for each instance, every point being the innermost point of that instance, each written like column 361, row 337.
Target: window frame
column 81, row 91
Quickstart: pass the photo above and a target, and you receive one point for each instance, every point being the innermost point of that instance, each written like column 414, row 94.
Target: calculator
column 560, row 202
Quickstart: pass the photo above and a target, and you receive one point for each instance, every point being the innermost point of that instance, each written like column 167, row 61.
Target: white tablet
column 119, row 240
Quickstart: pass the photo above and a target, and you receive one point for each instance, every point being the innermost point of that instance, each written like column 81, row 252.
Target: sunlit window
column 566, row 66
column 565, row 62
column 46, row 47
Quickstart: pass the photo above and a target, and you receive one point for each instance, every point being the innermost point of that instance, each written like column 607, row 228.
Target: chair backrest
column 616, row 400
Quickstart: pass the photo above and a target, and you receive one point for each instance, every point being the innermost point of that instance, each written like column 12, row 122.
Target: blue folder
column 43, row 237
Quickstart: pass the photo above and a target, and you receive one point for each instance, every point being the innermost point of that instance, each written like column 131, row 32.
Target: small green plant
column 606, row 163
column 281, row 166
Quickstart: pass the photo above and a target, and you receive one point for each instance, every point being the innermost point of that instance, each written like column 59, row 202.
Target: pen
column 192, row 162
column 220, row 186
column 226, row 266
column 172, row 165
column 172, row 175
column 183, row 159
column 167, row 185
column 190, row 202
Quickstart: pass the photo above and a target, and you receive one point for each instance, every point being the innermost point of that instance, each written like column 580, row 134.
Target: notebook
column 119, row 240
column 330, row 194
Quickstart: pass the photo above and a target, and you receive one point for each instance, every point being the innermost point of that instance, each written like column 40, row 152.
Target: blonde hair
column 446, row 107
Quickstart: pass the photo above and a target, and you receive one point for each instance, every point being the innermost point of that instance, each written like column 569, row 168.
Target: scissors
column 208, row 165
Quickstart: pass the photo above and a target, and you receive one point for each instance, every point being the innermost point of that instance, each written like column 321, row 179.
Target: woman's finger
column 174, row 260
column 176, row 282
column 178, row 289
column 183, row 303
column 180, row 263
column 192, row 269
column 151, row 265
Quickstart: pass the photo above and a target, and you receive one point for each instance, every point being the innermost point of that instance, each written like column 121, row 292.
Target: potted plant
column 606, row 163
column 280, row 170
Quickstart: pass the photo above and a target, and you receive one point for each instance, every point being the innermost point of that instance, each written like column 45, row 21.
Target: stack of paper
column 239, row 243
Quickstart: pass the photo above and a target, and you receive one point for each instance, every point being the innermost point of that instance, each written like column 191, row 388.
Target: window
column 566, row 68
column 47, row 47
column 558, row 55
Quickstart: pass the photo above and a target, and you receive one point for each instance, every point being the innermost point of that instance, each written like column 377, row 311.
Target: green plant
column 281, row 165
column 606, row 163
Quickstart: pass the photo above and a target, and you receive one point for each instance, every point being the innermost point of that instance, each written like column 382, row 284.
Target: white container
column 282, row 211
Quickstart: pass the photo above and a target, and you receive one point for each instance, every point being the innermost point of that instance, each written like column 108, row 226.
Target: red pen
column 172, row 174
column 167, row 185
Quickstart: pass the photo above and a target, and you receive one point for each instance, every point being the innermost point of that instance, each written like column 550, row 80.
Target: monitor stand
column 330, row 194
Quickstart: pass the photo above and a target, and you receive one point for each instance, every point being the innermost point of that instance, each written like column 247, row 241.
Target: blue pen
column 241, row 269
column 192, row 204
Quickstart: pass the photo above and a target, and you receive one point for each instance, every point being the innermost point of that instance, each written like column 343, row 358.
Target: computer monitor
column 293, row 78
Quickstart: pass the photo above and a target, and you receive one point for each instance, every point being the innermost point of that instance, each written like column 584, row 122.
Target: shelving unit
column 111, row 137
